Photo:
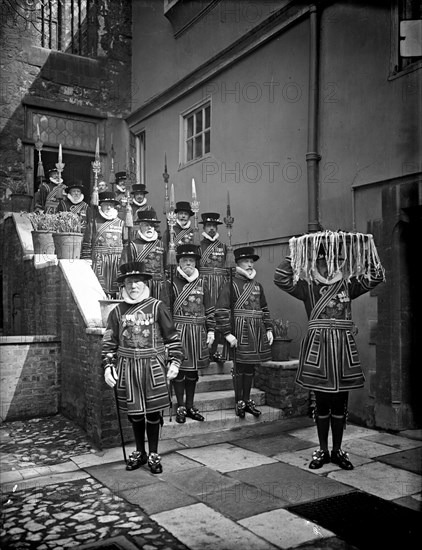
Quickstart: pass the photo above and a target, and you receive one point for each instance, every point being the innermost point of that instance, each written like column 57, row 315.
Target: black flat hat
column 210, row 217
column 146, row 216
column 139, row 188
column 188, row 251
column 107, row 196
column 245, row 252
column 184, row 206
column 130, row 269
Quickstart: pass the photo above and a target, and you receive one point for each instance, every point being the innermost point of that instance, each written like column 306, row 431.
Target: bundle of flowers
column 67, row 222
column 280, row 328
column 42, row 222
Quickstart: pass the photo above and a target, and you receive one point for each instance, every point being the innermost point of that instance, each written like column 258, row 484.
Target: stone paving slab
column 117, row 478
column 380, row 480
column 158, row 497
column 367, row 448
column 199, row 481
column 410, row 460
column 225, row 457
column 241, row 500
column 43, row 481
column 209, row 530
column 284, row 529
column 289, row 484
column 272, row 445
column 397, row 441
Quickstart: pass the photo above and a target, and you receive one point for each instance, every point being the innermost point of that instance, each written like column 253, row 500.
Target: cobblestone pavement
column 68, row 514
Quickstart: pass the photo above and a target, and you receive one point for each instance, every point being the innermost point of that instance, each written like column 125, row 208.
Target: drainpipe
column 312, row 156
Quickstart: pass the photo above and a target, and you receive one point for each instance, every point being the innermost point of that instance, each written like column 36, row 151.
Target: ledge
column 28, row 339
column 95, row 330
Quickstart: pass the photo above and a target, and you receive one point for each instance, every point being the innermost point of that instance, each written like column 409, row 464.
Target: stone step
column 217, row 420
column 214, row 382
column 217, row 368
column 219, row 400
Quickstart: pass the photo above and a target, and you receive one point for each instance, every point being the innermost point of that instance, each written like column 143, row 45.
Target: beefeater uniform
column 138, row 336
column 103, row 243
column 49, row 196
column 151, row 253
column 193, row 316
column 328, row 358
column 251, row 319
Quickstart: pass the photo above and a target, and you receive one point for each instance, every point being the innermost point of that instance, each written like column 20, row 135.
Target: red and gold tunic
column 49, row 196
column 328, row 358
column 135, row 341
column 212, row 266
column 251, row 319
column 193, row 317
column 152, row 254
column 103, row 243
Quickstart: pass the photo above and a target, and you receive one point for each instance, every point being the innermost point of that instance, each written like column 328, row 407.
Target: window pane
column 198, row 147
column 190, row 126
column 198, row 127
column 189, row 150
column 207, row 142
column 207, row 116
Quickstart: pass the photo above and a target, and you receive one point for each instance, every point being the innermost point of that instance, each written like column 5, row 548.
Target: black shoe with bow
column 135, row 460
column 193, row 413
column 154, row 463
column 251, row 408
column 240, row 409
column 319, row 458
column 181, row 415
column 341, row 459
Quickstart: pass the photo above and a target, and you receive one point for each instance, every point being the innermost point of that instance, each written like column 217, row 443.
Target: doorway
column 78, row 169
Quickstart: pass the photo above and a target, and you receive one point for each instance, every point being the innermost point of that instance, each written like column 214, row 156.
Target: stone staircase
column 214, row 398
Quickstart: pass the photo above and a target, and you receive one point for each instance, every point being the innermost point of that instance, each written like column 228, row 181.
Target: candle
column 228, row 204
column 165, row 162
column 193, row 190
column 38, row 131
column 97, row 148
column 172, row 203
column 60, row 152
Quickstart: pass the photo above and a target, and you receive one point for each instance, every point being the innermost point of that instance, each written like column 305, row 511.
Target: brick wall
column 29, row 376
column 277, row 379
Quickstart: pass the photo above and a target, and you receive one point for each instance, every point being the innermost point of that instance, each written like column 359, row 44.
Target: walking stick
column 120, row 424
column 230, row 265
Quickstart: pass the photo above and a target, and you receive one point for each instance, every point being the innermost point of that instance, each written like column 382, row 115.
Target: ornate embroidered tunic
column 212, row 266
column 135, row 337
column 194, row 317
column 328, row 358
column 152, row 254
column 49, row 196
column 251, row 319
column 81, row 209
column 103, row 243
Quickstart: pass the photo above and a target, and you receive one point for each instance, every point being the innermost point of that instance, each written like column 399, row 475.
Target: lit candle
column 172, row 203
column 193, row 190
column 38, row 131
column 228, row 204
column 60, row 152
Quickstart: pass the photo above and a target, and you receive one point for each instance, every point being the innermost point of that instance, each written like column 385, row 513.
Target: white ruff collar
column 334, row 279
column 212, row 239
column 193, row 277
column 144, row 295
column 186, row 226
column 111, row 216
column 121, row 189
column 75, row 201
column 245, row 273
column 139, row 203
column 148, row 239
